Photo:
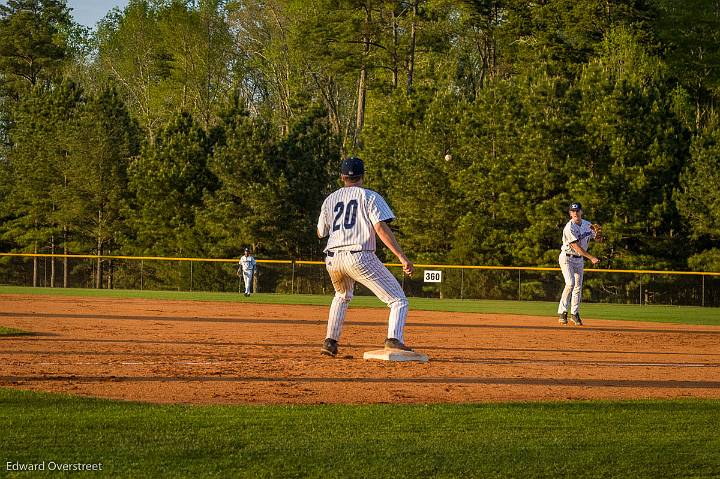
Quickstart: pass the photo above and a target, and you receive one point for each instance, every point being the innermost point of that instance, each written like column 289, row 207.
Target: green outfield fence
column 309, row 277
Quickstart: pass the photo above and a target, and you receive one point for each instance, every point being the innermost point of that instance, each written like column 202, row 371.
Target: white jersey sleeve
column 323, row 225
column 378, row 209
column 576, row 233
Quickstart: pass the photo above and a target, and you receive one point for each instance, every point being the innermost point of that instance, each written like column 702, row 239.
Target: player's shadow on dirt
column 575, row 362
column 572, row 351
column 26, row 334
column 312, row 322
column 180, row 357
column 313, row 346
column 121, row 354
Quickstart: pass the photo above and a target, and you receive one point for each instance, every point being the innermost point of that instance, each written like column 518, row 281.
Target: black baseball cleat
column 575, row 318
column 392, row 343
column 563, row 318
column 329, row 347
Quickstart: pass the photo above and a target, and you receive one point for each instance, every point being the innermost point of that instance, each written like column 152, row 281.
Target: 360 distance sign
column 431, row 276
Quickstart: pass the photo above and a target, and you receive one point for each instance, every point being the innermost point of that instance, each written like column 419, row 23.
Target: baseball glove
column 597, row 229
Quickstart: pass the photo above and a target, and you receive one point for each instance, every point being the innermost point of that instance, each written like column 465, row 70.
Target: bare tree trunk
column 362, row 83
column 52, row 261
column 395, row 48
column 360, row 117
column 65, row 259
column 282, row 74
column 98, row 276
column 496, row 21
column 65, row 240
column 98, row 270
column 35, row 267
column 411, row 56
column 208, row 74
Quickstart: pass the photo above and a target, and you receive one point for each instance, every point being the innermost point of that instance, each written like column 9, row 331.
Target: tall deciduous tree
column 132, row 53
column 168, row 56
column 562, row 35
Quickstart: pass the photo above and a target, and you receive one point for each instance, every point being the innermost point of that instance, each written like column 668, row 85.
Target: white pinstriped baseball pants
column 364, row 267
column 247, row 279
column 572, row 270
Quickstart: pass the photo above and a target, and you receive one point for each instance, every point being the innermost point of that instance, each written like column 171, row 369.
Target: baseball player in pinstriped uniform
column 576, row 236
column 351, row 216
column 246, row 268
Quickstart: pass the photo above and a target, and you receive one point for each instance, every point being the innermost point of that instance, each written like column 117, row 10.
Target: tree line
column 196, row 128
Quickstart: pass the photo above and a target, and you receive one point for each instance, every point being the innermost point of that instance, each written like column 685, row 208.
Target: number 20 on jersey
column 345, row 216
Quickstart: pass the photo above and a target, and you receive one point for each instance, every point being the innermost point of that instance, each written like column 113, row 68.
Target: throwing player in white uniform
column 575, row 238
column 247, row 269
column 351, row 216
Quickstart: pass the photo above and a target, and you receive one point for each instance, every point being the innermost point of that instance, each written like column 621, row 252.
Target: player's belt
column 330, row 254
column 572, row 255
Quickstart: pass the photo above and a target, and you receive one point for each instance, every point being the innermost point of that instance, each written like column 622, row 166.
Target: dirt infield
column 208, row 352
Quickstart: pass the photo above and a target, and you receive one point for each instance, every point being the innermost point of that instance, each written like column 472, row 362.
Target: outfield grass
column 626, row 312
column 11, row 332
column 570, row 439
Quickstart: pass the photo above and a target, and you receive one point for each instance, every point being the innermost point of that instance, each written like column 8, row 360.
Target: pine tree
column 405, row 150
column 167, row 182
column 38, row 161
column 309, row 159
column 271, row 186
column 698, row 199
column 102, row 141
column 635, row 149
column 242, row 211
column 32, row 43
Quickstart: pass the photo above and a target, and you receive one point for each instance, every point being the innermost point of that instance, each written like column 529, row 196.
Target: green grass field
column 564, row 439
column 11, row 332
column 673, row 438
column 626, row 312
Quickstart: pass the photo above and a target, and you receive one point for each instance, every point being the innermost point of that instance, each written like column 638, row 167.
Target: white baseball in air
column 448, row 157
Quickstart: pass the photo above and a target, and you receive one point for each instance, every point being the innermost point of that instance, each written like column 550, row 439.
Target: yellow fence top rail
column 284, row 261
column 139, row 258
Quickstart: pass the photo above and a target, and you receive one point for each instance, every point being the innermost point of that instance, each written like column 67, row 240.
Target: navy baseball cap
column 247, row 250
column 352, row 166
column 575, row 206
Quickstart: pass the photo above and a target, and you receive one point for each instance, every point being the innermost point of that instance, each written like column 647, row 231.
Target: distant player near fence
column 575, row 239
column 246, row 269
column 351, row 217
